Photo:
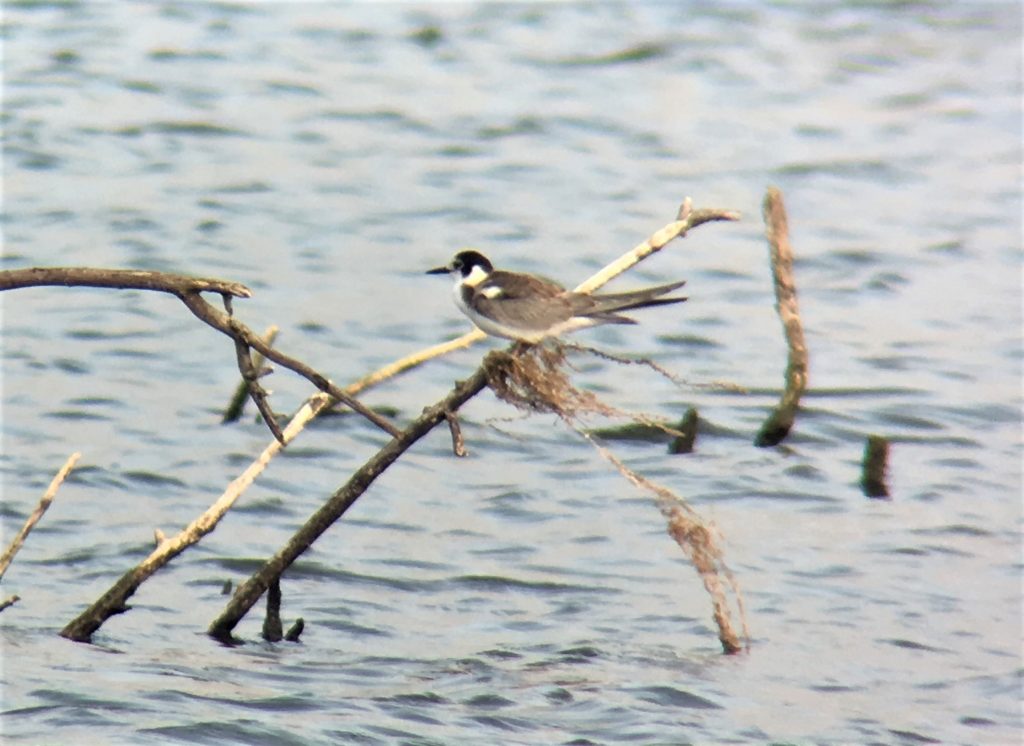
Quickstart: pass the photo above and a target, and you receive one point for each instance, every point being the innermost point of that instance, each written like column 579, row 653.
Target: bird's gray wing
column 521, row 301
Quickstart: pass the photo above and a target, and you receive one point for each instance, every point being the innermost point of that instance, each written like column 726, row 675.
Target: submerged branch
column 777, row 426
column 249, row 592
column 114, row 601
column 874, row 465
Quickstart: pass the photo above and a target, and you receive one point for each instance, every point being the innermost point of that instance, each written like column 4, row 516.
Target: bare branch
column 239, row 331
column 33, row 519
column 237, row 403
column 114, row 601
column 188, row 289
column 249, row 592
column 250, row 381
column 779, row 422
column 656, row 242
column 126, row 279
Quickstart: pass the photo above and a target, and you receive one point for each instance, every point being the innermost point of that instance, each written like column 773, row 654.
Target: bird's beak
column 439, row 271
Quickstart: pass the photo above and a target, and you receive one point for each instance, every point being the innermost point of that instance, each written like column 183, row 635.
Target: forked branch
column 188, row 290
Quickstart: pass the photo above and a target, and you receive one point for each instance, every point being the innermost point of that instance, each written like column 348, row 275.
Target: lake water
column 326, row 155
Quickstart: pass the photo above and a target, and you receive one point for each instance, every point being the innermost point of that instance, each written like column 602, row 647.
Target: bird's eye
column 457, row 264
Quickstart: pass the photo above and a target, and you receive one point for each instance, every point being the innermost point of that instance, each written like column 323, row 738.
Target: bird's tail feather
column 613, row 302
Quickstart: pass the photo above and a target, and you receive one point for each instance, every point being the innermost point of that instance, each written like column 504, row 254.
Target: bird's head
column 466, row 265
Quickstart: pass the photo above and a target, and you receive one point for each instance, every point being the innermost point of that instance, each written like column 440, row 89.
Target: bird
column 530, row 308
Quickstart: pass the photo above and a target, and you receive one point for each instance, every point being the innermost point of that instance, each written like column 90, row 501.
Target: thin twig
column 41, row 508
column 10, row 601
column 237, row 404
column 779, row 422
column 458, row 442
column 239, row 331
column 622, row 359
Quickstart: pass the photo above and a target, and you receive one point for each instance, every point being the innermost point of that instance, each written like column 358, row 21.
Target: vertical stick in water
column 779, row 422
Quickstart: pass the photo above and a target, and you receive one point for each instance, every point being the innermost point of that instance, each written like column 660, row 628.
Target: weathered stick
column 9, row 602
column 876, row 459
column 779, row 422
column 687, row 219
column 41, row 508
column 125, row 279
column 458, row 442
column 238, row 399
column 249, row 592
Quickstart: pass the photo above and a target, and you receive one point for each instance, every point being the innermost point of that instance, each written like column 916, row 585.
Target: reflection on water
column 326, row 155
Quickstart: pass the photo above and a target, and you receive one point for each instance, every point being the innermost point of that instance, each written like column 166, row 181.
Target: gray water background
column 327, row 154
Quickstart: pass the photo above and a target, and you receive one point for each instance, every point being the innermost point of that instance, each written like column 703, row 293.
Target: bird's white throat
column 474, row 278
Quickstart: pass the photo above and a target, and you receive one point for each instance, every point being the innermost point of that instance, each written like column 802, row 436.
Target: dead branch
column 114, row 601
column 44, row 504
column 246, row 336
column 458, row 442
column 249, row 592
column 779, row 422
column 237, row 404
column 124, row 279
column 187, row 290
column 9, row 602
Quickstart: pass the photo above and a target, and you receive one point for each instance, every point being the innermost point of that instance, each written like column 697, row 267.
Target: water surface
column 326, row 155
